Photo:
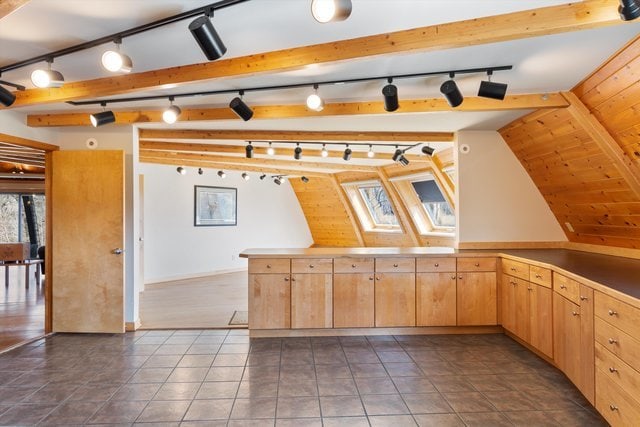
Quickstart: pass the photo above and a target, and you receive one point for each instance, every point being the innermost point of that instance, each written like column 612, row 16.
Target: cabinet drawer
column 618, row 371
column 540, row 275
column 619, row 343
column 621, row 315
column 515, row 268
column 615, row 405
column 353, row 265
column 476, row 264
column 395, row 265
column 312, row 265
column 269, row 265
column 568, row 288
column 435, row 265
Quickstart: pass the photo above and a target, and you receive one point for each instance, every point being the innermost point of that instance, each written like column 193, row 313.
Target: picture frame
column 215, row 206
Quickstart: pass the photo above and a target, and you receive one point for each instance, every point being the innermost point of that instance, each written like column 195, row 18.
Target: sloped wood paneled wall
column 585, row 159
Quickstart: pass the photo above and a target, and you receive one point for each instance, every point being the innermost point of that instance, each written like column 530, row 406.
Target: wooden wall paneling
column 355, row 223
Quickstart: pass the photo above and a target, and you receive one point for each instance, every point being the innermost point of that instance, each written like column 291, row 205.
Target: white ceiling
column 541, row 64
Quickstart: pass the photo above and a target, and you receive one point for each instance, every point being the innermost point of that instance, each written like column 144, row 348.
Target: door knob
column 117, row 251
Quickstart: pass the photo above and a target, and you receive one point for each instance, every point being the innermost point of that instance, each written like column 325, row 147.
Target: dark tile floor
column 222, row 378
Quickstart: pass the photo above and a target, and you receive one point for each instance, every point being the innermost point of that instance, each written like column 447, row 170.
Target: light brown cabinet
column 311, row 301
column 269, row 301
column 541, row 318
column 395, row 299
column 477, row 299
column 353, row 300
column 436, row 299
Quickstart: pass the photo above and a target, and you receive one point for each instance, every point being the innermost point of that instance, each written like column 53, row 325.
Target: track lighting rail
column 13, row 85
column 294, row 86
column 356, row 144
column 204, row 10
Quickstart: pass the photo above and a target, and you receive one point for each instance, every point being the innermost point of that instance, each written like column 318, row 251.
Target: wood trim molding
column 132, row 326
column 24, row 142
column 48, row 264
column 563, row 18
column 355, row 223
column 513, row 245
column 511, row 102
column 404, row 217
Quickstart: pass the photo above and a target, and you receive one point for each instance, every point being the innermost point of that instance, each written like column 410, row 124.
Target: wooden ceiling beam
column 470, row 104
column 270, row 170
column 295, row 135
column 563, row 18
column 304, row 165
column 24, row 142
column 235, row 149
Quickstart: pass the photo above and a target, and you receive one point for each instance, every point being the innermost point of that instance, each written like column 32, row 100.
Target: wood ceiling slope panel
column 577, row 178
column 325, row 212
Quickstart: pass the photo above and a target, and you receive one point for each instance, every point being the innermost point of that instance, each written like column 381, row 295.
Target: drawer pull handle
column 268, row 265
column 613, row 313
column 353, row 266
column 613, row 407
column 453, row 277
column 477, row 264
column 370, row 278
column 612, row 341
column 286, row 279
column 575, row 313
column 395, row 265
column 538, row 276
column 583, row 298
column 311, row 266
column 612, row 370
column 513, row 269
column 563, row 287
column 436, row 265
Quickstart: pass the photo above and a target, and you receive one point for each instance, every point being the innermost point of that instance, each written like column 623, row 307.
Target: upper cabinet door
column 87, row 251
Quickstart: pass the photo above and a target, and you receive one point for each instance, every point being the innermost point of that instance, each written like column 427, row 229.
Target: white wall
column 15, row 124
column 269, row 216
column 497, row 200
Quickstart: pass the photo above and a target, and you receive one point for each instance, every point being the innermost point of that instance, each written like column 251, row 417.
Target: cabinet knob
column 477, row 264
column 538, row 276
column 268, row 265
column 513, row 269
column 563, row 287
column 370, row 278
column 613, row 313
column 311, row 266
column 377, row 278
column 612, row 370
column 436, row 265
column 575, row 313
column 460, row 277
column 286, row 279
column 613, row 407
column 293, row 279
column 513, row 283
column 453, row 277
column 613, row 341
column 530, row 289
column 353, row 266
column 395, row 265
column 583, row 298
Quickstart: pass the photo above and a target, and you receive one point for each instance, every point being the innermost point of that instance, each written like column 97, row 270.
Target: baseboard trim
column 193, row 276
column 344, row 332
column 132, row 326
column 512, row 245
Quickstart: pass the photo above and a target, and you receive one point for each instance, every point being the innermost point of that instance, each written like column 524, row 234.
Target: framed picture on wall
column 215, row 206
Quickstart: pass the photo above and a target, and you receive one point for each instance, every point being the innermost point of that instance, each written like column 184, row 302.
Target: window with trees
column 372, row 205
column 22, row 219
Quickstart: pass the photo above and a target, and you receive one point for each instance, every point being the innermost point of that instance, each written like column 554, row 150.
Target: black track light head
column 200, row 171
column 629, row 10
column 398, row 156
column 263, row 176
column 277, row 180
column 248, row 151
column 347, row 154
column 102, row 118
column 304, row 179
column 428, row 150
column 451, row 92
column 6, row 97
column 241, row 109
column 246, row 176
column 181, row 170
column 492, row 90
column 208, row 39
column 221, row 174
column 390, row 93
column 297, row 152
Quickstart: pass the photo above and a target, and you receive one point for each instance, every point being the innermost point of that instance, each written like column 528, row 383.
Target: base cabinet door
column 566, row 336
column 395, row 299
column 353, row 300
column 269, row 301
column 540, row 315
column 508, row 302
column 477, row 299
column 311, row 301
column 436, row 299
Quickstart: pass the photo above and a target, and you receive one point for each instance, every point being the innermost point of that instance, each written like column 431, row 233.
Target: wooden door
column 311, row 301
column 566, row 337
column 87, row 223
column 541, row 326
column 508, row 302
column 395, row 299
column 477, row 299
column 269, row 301
column 353, row 300
column 436, row 299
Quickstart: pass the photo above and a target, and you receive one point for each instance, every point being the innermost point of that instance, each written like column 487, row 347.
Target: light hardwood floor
column 205, row 302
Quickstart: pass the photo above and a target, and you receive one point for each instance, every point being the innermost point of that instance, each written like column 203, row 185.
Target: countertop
column 617, row 273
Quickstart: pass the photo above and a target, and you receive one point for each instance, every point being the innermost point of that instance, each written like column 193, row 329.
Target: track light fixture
column 116, row 61
column 325, row 11
column 428, row 150
column 263, row 176
column 347, row 154
column 314, row 102
column 208, row 39
column 390, row 93
column 489, row 89
column 222, row 175
column 370, row 153
column 171, row 114
column 277, row 180
column 6, row 97
column 324, row 152
column 47, row 78
column 200, row 171
column 304, row 179
column 451, row 92
column 629, row 10
column 398, row 156
column 297, row 152
column 248, row 151
column 240, row 108
column 103, row 118
column 182, row 171
column 270, row 150
column 245, row 176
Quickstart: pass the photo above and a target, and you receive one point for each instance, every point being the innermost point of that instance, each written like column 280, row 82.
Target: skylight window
column 378, row 205
column 435, row 204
